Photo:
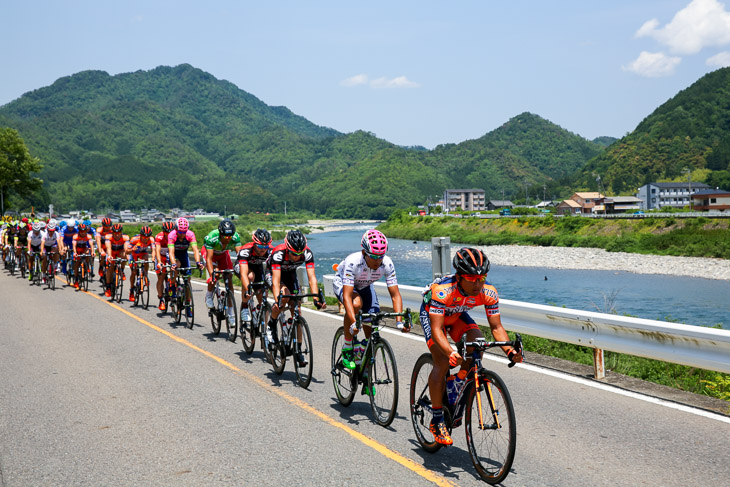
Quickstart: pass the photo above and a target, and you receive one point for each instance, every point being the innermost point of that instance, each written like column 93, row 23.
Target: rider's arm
column 276, row 282
column 243, row 268
column 209, row 262
column 196, row 254
column 500, row 334
column 396, row 298
column 348, row 304
column 313, row 286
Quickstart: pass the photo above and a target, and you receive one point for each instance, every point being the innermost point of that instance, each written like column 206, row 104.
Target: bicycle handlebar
column 481, row 344
column 380, row 315
column 318, row 295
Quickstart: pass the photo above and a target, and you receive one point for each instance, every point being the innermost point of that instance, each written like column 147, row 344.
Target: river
column 687, row 300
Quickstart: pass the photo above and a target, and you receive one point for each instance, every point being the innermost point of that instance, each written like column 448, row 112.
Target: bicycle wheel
column 248, row 331
column 23, row 265
column 277, row 351
column 343, row 378
column 84, row 276
column 137, row 287
column 264, row 317
column 36, row 271
column 217, row 311
column 491, row 439
column 232, row 325
column 118, row 284
column 186, row 301
column 51, row 275
column 145, row 292
column 304, row 372
column 420, row 402
column 383, row 383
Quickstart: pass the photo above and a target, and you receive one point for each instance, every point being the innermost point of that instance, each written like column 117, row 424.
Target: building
column 711, row 199
column 677, row 195
column 569, row 207
column 464, row 199
column 587, row 202
column 621, row 204
column 499, row 204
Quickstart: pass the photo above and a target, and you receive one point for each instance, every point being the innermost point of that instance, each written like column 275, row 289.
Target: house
column 569, row 207
column 677, row 195
column 499, row 204
column 585, row 201
column 464, row 199
column 621, row 204
column 127, row 216
column 711, row 199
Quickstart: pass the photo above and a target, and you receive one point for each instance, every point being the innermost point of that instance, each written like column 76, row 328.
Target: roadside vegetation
column 692, row 237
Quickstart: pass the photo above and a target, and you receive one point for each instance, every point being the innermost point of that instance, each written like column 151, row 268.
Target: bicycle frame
column 375, row 325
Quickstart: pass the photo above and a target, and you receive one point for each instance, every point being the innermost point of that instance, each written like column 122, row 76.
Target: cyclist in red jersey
column 140, row 247
column 83, row 248
column 162, row 259
column 250, row 267
column 117, row 245
column 445, row 311
column 101, row 233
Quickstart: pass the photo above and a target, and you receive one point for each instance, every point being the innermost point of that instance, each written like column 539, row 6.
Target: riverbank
column 321, row 226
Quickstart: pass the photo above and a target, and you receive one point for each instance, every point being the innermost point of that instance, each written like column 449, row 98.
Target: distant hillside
column 604, row 141
column 178, row 137
column 691, row 130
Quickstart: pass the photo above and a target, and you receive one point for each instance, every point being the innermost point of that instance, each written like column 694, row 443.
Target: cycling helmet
column 261, row 237
column 374, row 242
column 24, row 220
column 36, row 226
column 168, row 227
column 117, row 228
column 470, row 261
column 226, row 228
column 296, row 241
column 106, row 222
column 43, row 224
column 146, row 232
column 182, row 225
column 87, row 222
column 51, row 227
column 71, row 223
column 83, row 227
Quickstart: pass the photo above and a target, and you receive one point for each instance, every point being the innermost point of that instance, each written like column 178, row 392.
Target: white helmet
column 53, row 222
column 51, row 225
column 71, row 223
column 36, row 226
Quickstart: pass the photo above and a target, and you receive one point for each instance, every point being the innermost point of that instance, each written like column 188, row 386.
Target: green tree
column 17, row 166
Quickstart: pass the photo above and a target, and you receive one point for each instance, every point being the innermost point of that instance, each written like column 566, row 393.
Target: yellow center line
column 366, row 440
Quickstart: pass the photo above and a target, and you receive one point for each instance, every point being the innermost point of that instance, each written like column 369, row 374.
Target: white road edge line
column 558, row 375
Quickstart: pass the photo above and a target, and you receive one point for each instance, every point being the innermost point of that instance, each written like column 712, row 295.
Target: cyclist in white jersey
column 353, row 286
column 35, row 239
column 50, row 245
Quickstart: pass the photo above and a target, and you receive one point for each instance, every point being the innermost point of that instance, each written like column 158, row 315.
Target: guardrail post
column 303, row 279
column 440, row 256
column 599, row 367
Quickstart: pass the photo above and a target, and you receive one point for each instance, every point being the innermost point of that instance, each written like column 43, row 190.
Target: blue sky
column 412, row 72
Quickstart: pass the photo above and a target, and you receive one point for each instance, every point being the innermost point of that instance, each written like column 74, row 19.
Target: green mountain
column 691, row 130
column 178, row 137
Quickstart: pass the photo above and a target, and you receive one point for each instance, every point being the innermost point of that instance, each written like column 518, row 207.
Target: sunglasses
column 297, row 253
column 262, row 246
column 373, row 256
column 474, row 277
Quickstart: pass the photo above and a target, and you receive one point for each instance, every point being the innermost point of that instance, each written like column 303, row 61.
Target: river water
column 693, row 301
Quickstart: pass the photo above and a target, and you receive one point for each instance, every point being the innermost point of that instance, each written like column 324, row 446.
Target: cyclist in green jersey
column 215, row 252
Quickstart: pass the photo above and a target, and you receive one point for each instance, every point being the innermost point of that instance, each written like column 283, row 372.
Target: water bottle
column 285, row 325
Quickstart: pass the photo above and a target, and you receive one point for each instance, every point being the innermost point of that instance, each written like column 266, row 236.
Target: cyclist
column 250, row 267
column 50, row 246
column 21, row 237
column 162, row 259
column 281, row 277
column 100, row 236
column 67, row 236
column 353, row 286
column 117, row 245
column 83, row 248
column 92, row 232
column 178, row 242
column 35, row 239
column 445, row 311
column 139, row 248
column 216, row 246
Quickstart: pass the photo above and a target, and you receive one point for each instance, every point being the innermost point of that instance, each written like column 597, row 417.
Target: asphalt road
column 100, row 394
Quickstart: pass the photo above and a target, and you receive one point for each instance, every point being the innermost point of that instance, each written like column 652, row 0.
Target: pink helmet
column 374, row 242
column 182, row 225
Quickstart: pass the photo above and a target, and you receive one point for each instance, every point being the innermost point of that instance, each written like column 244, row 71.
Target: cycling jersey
column 50, row 239
column 117, row 244
column 67, row 234
column 139, row 247
column 443, row 297
column 83, row 243
column 22, row 234
column 354, row 271
column 247, row 255
column 36, row 239
column 213, row 242
column 102, row 233
column 161, row 241
column 281, row 259
column 181, row 241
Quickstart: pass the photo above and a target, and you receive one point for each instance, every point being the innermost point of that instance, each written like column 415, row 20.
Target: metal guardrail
column 695, row 346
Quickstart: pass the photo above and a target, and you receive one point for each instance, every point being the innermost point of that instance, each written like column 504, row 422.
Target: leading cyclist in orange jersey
column 83, row 248
column 101, row 233
column 445, row 311
column 140, row 248
column 116, row 248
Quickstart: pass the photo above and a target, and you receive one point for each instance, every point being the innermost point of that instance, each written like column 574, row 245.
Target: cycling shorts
column 35, row 248
column 135, row 257
column 368, row 297
column 288, row 280
column 222, row 261
column 463, row 324
column 258, row 271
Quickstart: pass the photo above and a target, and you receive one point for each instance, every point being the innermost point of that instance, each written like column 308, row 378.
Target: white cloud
column 720, row 60
column 379, row 83
column 399, row 82
column 702, row 23
column 653, row 64
column 358, row 79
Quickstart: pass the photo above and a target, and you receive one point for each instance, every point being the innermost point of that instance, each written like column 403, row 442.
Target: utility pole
column 689, row 183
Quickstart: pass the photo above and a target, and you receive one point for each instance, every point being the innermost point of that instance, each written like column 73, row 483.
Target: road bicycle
column 286, row 342
column 117, row 285
column 50, row 271
column 483, row 402
column 224, row 306
column 180, row 293
column 37, row 272
column 23, row 263
column 260, row 314
column 11, row 261
column 141, row 284
column 83, row 275
column 375, row 369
